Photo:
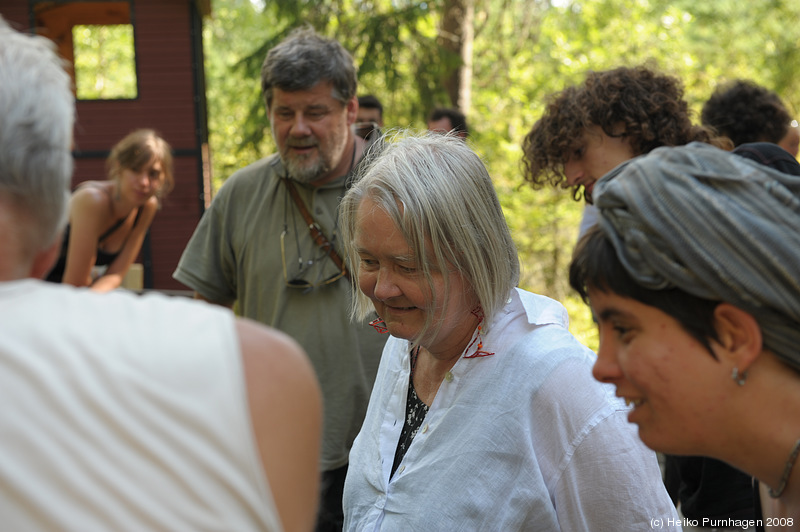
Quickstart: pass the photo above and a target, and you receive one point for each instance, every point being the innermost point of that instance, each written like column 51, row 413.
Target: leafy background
column 522, row 51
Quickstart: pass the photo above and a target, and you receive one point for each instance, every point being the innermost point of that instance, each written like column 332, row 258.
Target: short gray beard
column 303, row 173
column 309, row 174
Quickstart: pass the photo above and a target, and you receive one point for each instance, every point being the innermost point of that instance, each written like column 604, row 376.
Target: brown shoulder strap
column 316, row 233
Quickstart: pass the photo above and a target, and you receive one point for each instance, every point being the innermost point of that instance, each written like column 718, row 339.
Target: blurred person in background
column 744, row 111
column 108, row 220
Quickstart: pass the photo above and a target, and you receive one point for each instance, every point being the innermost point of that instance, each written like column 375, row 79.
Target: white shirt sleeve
column 613, row 482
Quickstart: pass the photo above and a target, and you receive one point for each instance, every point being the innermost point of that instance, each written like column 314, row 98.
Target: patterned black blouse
column 415, row 415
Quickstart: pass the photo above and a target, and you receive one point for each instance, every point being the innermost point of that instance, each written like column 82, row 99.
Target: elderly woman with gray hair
column 693, row 275
column 484, row 415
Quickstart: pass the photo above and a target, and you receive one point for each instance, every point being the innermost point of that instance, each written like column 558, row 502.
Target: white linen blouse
column 524, row 439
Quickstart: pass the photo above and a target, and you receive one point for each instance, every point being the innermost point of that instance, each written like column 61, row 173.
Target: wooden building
column 166, row 93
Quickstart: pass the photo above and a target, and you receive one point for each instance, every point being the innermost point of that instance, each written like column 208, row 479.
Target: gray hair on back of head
column 304, row 59
column 37, row 113
column 438, row 192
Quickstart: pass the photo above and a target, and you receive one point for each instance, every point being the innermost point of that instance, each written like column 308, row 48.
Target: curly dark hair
column 746, row 112
column 638, row 103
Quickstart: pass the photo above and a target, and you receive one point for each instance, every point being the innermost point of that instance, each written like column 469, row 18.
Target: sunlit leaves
column 104, row 60
column 523, row 51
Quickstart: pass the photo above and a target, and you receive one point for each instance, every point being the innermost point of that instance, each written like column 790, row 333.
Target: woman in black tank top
column 108, row 219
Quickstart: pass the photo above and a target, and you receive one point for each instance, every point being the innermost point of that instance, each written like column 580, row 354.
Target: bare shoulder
column 269, row 353
column 90, row 198
column 281, row 383
column 89, row 209
column 286, row 414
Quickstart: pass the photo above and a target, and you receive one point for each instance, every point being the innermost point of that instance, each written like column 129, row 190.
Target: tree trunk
column 456, row 35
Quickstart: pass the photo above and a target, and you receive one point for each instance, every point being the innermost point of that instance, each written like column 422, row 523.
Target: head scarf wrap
column 715, row 225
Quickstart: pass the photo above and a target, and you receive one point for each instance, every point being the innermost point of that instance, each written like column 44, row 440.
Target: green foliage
column 524, row 50
column 393, row 42
column 105, row 66
column 235, row 110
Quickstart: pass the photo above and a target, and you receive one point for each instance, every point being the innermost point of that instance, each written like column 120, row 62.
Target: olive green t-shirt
column 238, row 252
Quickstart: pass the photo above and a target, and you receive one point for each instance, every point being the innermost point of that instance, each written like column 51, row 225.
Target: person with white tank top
column 122, row 412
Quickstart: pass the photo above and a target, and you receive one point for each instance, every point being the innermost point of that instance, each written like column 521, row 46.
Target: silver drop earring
column 739, row 378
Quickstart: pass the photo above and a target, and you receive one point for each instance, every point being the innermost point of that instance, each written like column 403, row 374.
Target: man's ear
column 352, row 110
column 45, row 259
column 739, row 335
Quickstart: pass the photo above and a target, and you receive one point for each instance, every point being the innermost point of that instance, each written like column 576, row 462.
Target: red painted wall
column 167, row 102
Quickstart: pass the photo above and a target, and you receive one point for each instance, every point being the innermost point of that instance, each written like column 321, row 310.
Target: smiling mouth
column 400, row 308
column 634, row 402
column 303, row 145
column 395, row 307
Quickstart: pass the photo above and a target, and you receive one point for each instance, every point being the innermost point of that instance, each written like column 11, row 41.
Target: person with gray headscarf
column 693, row 274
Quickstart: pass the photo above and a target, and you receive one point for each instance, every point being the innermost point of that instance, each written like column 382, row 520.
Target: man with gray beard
column 269, row 240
